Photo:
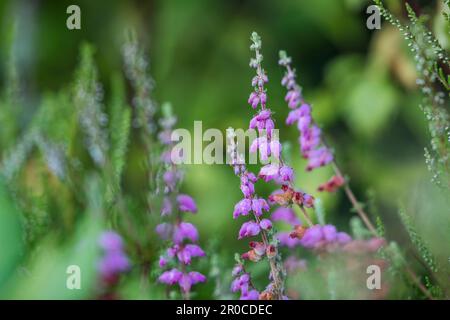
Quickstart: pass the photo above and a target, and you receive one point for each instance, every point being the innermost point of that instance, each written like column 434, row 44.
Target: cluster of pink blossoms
column 311, row 146
column 114, row 260
column 182, row 236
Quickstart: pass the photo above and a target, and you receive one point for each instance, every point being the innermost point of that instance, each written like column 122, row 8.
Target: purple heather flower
column 310, row 139
column 265, row 224
column 261, row 144
column 303, row 123
column 266, row 148
column 251, row 177
column 304, row 118
column 343, row 238
column 293, row 98
column 269, row 126
column 310, row 134
column 263, row 98
column 196, row 277
column 285, row 214
column 111, row 241
column 318, row 158
column 184, row 253
column 248, row 189
column 263, row 115
column 308, row 200
column 179, row 231
column 249, row 229
column 171, row 178
column 293, row 116
column 243, row 208
column 329, row 233
column 185, row 283
column 312, row 237
column 187, row 280
column 286, row 173
column 240, row 283
column 250, row 295
column 170, row 277
column 113, row 263
column 185, row 230
column 184, row 280
column 262, row 121
column 237, row 270
column 275, row 148
column 286, row 240
column 269, row 171
column 162, row 262
column 259, row 80
column 186, row 203
column 253, row 99
column 258, row 205
column 318, row 236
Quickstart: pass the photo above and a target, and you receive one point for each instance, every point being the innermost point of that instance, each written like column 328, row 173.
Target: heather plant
column 431, row 61
column 432, row 64
column 122, row 236
column 89, row 181
column 177, row 231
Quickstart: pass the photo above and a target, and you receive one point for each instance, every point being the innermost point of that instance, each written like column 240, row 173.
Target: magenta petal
column 249, row 229
column 196, row 277
column 111, row 241
column 170, row 277
column 265, row 224
column 185, row 230
column 186, row 203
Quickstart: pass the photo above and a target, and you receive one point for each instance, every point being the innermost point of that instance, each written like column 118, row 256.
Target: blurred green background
column 360, row 82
